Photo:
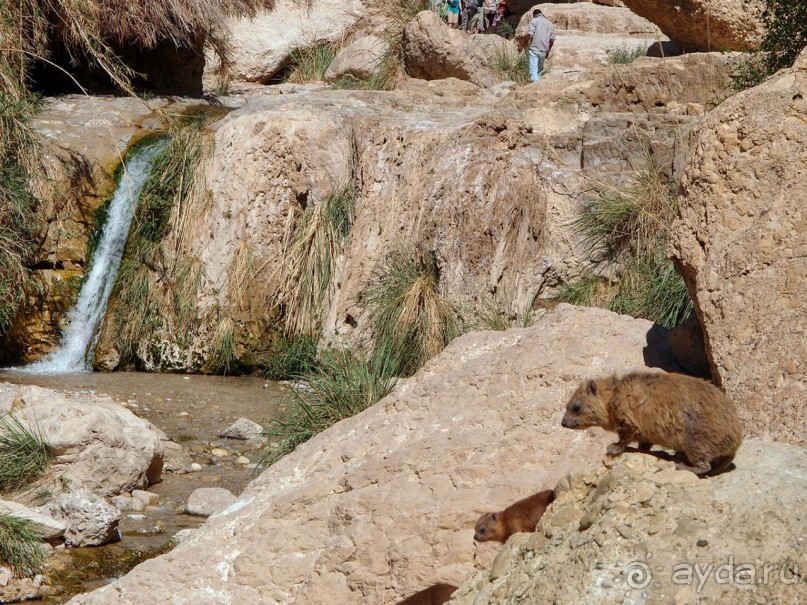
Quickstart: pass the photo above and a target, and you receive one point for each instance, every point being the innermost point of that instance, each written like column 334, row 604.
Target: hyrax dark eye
column 576, row 408
column 482, row 530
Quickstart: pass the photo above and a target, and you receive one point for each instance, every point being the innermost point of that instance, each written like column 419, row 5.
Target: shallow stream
column 192, row 410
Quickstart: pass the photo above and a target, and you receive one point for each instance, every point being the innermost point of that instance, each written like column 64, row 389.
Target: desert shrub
column 627, row 228
column 19, row 222
column 340, row 385
column 410, row 322
column 499, row 313
column 511, row 67
column 24, row 455
column 748, row 71
column 786, row 32
column 506, row 30
column 20, row 546
column 310, row 260
column 309, row 64
column 290, row 358
column 624, row 54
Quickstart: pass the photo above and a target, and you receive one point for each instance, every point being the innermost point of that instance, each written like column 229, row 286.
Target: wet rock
column 433, row 51
column 196, row 467
column 176, row 458
column 243, row 428
column 147, row 498
column 125, row 502
column 208, row 500
column 218, row 452
column 90, row 520
column 44, row 524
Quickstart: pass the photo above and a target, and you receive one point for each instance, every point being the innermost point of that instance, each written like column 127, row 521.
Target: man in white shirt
column 542, row 37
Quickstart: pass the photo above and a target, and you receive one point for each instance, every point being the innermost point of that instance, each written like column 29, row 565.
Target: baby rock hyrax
column 521, row 516
column 682, row 413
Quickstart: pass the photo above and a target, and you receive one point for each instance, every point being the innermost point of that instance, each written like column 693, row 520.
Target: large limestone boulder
column 262, row 45
column 359, row 60
column 705, row 25
column 494, row 47
column 97, row 444
column 384, row 503
column 587, row 34
column 642, row 532
column 741, row 244
column 590, row 18
column 433, row 51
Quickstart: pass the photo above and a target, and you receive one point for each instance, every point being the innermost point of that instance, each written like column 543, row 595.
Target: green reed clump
column 628, row 229
column 21, row 546
column 24, row 454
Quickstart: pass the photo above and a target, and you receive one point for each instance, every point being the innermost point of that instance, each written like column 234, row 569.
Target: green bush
column 310, row 260
column 310, row 63
column 290, row 358
column 19, row 221
column 499, row 313
column 24, row 455
column 627, row 228
column 786, row 32
column 410, row 322
column 508, row 66
column 20, row 546
column 338, row 387
column 624, row 54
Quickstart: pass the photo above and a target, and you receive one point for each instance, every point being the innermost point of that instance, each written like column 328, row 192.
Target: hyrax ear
column 493, row 518
column 591, row 387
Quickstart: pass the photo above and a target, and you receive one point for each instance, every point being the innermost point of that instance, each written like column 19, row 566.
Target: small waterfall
column 77, row 349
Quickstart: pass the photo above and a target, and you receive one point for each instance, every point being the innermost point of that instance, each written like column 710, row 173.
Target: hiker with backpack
column 469, row 16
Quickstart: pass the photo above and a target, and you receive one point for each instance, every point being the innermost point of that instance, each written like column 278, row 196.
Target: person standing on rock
column 453, row 13
column 469, row 16
column 541, row 33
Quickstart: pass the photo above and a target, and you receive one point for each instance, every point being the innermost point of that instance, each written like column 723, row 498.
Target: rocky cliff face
column 384, row 503
column 740, row 243
column 489, row 185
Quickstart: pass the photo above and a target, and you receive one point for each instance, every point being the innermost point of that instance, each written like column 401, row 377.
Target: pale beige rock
column 176, row 459
column 589, row 18
column 706, row 25
column 48, row 527
column 741, row 244
column 147, row 498
column 494, row 47
column 359, row 60
column 90, row 520
column 97, row 444
column 385, row 503
column 433, row 51
column 635, row 532
column 262, row 45
column 206, row 501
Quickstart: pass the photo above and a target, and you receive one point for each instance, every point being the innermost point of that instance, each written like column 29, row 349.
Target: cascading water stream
column 76, row 351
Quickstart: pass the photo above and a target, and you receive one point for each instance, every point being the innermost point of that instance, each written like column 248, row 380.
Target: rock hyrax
column 521, row 516
column 682, row 413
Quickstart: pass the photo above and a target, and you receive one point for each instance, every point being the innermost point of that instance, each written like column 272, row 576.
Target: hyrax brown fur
column 682, row 413
column 522, row 516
